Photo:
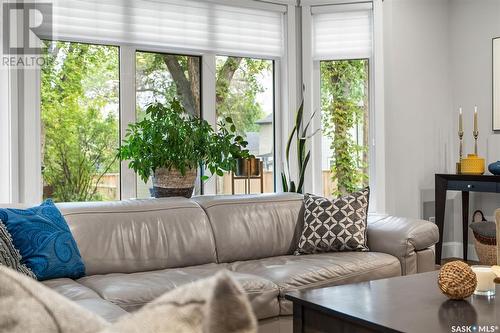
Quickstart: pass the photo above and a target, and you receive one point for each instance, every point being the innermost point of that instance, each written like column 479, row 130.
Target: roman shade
column 342, row 31
column 189, row 25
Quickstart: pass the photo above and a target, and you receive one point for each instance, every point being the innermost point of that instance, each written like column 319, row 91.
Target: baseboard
column 455, row 249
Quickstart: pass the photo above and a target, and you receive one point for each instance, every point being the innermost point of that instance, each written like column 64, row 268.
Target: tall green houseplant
column 299, row 136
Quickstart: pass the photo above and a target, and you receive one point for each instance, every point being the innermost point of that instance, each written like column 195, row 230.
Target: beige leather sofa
column 136, row 250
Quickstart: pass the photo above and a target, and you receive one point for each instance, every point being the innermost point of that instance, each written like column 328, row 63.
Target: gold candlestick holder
column 475, row 133
column 461, row 151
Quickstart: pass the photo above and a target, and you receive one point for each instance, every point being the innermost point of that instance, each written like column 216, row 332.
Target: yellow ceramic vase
column 472, row 165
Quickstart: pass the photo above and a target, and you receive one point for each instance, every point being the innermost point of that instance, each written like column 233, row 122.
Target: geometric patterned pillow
column 336, row 225
column 9, row 255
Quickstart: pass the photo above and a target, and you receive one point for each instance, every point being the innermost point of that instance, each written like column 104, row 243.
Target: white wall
column 473, row 24
column 438, row 56
column 417, row 100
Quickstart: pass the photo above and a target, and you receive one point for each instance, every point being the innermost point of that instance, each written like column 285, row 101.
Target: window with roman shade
column 342, row 53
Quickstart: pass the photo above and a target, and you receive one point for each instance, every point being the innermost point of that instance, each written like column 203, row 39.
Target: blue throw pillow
column 44, row 240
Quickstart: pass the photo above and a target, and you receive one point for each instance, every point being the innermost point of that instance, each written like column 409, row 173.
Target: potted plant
column 170, row 145
column 299, row 135
column 247, row 167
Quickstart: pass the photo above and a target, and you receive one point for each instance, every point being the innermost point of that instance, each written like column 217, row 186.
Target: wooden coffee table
column 403, row 304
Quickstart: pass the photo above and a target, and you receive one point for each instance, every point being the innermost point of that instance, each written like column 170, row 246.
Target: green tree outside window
column 345, row 113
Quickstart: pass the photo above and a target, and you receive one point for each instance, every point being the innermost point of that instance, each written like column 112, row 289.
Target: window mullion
column 317, row 153
column 377, row 125
column 208, row 106
column 31, row 166
column 128, row 188
column 308, row 80
column 29, row 127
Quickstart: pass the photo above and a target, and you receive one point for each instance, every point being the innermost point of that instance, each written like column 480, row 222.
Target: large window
column 345, row 125
column 93, row 87
column 80, row 122
column 341, row 54
column 161, row 77
column 80, row 113
column 245, row 92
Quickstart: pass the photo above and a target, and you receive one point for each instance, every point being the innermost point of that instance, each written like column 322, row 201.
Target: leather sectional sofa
column 136, row 250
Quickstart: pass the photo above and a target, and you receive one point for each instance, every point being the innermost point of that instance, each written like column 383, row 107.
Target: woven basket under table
column 486, row 249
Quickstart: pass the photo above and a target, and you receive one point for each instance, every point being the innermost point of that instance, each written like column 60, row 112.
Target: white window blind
column 173, row 24
column 342, row 31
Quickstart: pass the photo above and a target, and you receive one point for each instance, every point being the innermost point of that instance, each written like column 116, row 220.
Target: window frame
column 25, row 176
column 127, row 107
column 276, row 101
column 312, row 101
column 317, row 146
column 39, row 118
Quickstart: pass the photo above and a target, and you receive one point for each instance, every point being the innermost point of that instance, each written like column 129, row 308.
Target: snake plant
column 299, row 136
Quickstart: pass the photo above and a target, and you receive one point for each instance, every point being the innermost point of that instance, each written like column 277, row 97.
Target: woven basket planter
column 485, row 241
column 171, row 183
column 486, row 249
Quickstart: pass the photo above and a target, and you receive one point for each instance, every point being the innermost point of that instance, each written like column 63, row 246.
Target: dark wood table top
column 403, row 304
column 484, row 178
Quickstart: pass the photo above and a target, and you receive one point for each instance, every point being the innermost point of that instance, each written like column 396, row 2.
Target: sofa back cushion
column 140, row 235
column 254, row 226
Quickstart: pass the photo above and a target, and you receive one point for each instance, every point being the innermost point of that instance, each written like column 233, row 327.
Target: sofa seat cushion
column 133, row 291
column 317, row 270
column 85, row 297
column 213, row 305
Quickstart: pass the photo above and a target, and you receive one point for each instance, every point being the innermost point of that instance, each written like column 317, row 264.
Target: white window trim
column 208, row 107
column 291, row 94
column 24, row 133
column 378, row 102
column 30, row 161
column 311, row 79
column 127, row 115
column 307, row 78
column 6, row 136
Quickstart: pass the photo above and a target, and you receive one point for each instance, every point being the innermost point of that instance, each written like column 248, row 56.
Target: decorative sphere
column 457, row 280
column 494, row 168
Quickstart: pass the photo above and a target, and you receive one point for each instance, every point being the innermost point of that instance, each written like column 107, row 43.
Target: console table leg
column 440, row 205
column 465, row 222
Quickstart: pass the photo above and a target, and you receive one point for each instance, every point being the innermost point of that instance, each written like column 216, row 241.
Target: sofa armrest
column 399, row 236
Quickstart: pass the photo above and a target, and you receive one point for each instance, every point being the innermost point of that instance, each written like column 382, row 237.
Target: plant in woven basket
column 170, row 145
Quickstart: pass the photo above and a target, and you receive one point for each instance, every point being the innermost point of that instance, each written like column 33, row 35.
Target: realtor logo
column 22, row 23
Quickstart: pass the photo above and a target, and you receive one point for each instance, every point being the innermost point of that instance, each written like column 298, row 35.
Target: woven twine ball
column 457, row 280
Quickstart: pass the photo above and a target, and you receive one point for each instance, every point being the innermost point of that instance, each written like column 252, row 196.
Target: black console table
column 465, row 184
